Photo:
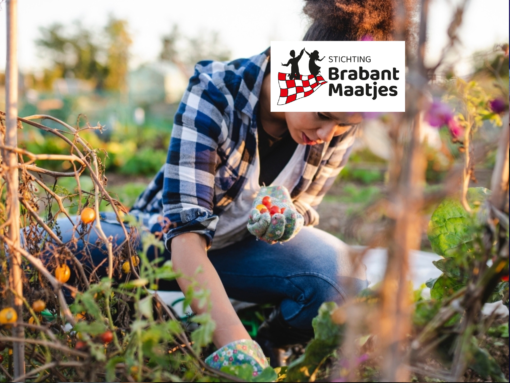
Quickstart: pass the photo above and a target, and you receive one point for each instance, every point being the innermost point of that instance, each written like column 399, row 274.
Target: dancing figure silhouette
column 294, row 69
column 312, row 66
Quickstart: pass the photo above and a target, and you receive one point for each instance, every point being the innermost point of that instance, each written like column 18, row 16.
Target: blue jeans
column 300, row 275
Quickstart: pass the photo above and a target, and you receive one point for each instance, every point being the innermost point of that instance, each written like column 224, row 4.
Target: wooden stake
column 11, row 177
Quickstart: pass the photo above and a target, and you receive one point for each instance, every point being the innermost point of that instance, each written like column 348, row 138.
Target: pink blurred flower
column 367, row 38
column 498, row 105
column 438, row 114
column 362, row 358
column 455, row 129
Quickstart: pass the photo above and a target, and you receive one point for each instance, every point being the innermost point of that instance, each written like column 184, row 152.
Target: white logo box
column 382, row 61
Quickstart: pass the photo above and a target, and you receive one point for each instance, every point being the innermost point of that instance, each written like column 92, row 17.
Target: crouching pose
column 228, row 152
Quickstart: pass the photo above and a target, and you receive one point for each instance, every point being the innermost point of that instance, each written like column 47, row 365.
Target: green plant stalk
column 446, row 313
column 110, row 322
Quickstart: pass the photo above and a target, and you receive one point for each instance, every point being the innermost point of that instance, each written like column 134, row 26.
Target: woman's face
column 311, row 128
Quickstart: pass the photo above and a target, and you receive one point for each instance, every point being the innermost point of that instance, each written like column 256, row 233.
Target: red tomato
column 504, row 278
column 274, row 210
column 262, row 211
column 106, row 337
column 266, row 201
column 80, row 345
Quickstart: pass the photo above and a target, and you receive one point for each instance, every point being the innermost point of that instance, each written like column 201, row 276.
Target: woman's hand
column 274, row 218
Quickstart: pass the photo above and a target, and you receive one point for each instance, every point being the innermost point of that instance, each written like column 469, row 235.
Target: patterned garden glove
column 273, row 217
column 244, row 351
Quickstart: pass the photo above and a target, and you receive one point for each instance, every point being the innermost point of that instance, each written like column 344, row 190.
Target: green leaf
column 430, row 282
column 94, row 328
column 281, row 372
column 425, row 311
column 145, row 307
column 110, row 367
column 327, row 338
column 134, row 284
column 499, row 331
column 88, row 304
column 97, row 351
column 139, row 325
column 450, row 226
column 499, row 293
column 323, row 326
column 484, row 364
column 202, row 336
column 166, row 271
column 267, row 375
column 444, row 287
column 243, row 371
column 449, row 267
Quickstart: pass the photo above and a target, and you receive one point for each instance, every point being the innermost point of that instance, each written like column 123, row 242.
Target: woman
column 226, row 144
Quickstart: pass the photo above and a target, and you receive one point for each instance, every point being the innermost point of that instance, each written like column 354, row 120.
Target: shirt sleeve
column 188, row 176
column 328, row 171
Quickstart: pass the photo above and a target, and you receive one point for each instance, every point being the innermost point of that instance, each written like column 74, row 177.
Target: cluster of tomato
column 104, row 338
column 8, row 316
column 267, row 206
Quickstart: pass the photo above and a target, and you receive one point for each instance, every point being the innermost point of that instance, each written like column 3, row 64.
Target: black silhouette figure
column 294, row 69
column 312, row 66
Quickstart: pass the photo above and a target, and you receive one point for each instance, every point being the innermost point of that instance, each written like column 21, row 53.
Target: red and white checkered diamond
column 292, row 90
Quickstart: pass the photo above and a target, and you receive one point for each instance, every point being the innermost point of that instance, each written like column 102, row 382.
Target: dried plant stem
column 5, row 372
column 56, row 197
column 36, row 262
column 41, row 222
column 406, row 182
column 467, row 166
column 51, row 173
column 10, row 160
column 54, row 345
column 41, row 157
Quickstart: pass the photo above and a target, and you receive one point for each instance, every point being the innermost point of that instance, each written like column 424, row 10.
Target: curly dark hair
column 354, row 20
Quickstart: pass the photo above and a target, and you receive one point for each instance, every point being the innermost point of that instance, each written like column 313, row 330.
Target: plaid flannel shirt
column 213, row 144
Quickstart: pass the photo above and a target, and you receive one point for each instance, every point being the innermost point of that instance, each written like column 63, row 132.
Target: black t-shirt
column 274, row 153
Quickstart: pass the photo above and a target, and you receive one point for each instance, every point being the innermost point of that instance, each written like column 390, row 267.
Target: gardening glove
column 239, row 352
column 273, row 217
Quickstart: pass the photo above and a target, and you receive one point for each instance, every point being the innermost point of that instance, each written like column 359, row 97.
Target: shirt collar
column 247, row 97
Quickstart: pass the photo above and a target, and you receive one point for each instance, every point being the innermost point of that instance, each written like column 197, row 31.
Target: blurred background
column 125, row 65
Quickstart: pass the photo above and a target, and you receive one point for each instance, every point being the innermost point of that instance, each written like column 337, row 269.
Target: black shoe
column 275, row 334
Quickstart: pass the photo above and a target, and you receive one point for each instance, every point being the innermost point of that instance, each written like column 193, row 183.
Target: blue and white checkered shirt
column 213, row 144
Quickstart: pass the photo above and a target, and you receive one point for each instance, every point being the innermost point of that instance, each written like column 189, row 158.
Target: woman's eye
column 322, row 116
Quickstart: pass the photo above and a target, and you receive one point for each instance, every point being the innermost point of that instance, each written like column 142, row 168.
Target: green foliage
column 472, row 104
column 145, row 161
column 445, row 286
column 358, row 194
column 88, row 53
column 327, row 338
column 190, row 50
column 425, row 311
column 143, row 347
column 484, row 364
column 364, row 176
column 499, row 331
column 245, row 372
column 451, row 226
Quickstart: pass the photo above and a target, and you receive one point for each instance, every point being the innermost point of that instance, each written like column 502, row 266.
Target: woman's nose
column 325, row 133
